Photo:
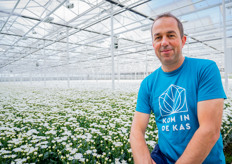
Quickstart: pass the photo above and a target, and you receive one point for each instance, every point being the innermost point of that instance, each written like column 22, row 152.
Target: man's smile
column 166, row 51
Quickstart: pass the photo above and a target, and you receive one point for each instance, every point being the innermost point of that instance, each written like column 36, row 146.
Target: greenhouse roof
column 74, row 36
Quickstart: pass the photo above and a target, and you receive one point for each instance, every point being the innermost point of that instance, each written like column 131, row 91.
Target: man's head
column 180, row 25
column 168, row 40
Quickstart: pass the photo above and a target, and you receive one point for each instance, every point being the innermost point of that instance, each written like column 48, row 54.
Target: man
column 186, row 95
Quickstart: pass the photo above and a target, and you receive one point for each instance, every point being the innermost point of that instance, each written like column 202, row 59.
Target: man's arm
column 139, row 147
column 210, row 117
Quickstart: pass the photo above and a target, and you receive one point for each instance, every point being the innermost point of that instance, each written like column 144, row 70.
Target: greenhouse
column 71, row 71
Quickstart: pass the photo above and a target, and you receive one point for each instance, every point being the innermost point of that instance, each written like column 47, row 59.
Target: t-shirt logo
column 173, row 100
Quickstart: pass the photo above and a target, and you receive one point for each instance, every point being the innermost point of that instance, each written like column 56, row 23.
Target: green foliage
column 226, row 131
column 66, row 126
column 71, row 126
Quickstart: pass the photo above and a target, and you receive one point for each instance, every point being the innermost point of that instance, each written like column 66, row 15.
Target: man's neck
column 173, row 67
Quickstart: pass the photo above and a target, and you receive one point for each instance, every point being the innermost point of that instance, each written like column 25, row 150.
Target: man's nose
column 164, row 41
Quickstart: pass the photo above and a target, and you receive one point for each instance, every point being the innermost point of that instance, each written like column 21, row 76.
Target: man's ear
column 184, row 38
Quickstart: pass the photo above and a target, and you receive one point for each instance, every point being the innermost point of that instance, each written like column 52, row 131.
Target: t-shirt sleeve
column 143, row 99
column 210, row 84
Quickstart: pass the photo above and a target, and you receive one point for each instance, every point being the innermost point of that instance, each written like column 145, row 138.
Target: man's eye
column 157, row 38
column 171, row 36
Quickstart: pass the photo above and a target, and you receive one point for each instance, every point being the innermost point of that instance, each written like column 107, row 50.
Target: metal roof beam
column 31, row 30
column 10, row 15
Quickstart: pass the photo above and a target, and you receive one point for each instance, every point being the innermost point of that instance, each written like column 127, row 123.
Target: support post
column 225, row 49
column 45, row 79
column 112, row 47
column 67, row 57
column 118, row 69
column 146, row 63
column 30, row 74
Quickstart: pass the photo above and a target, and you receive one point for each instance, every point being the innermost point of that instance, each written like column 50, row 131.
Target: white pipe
column 67, row 57
column 225, row 54
column 112, row 46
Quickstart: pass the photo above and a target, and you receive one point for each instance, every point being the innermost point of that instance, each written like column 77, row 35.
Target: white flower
column 117, row 161
column 124, row 162
column 17, row 149
column 46, row 124
column 82, row 159
column 70, row 158
column 53, row 132
column 124, row 130
column 13, row 156
column 118, row 144
column 43, row 146
column 88, row 152
column 2, row 151
column 78, row 156
column 73, row 151
column 32, row 131
column 20, row 161
column 7, row 156
column 151, row 143
column 31, row 150
column 44, row 143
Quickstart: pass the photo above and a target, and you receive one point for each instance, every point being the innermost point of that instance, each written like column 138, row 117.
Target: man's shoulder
column 150, row 78
column 152, row 75
column 200, row 63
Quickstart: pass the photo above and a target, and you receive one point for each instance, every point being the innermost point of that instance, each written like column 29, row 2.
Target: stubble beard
column 170, row 61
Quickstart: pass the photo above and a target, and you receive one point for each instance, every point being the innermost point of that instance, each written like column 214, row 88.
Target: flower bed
column 71, row 126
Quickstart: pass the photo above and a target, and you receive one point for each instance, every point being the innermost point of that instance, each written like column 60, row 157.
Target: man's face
column 167, row 41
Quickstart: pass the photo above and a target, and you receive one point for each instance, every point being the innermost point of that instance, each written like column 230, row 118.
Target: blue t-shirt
column 173, row 98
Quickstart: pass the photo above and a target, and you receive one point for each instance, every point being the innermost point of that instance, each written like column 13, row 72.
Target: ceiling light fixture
column 48, row 19
column 34, row 32
column 69, row 5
